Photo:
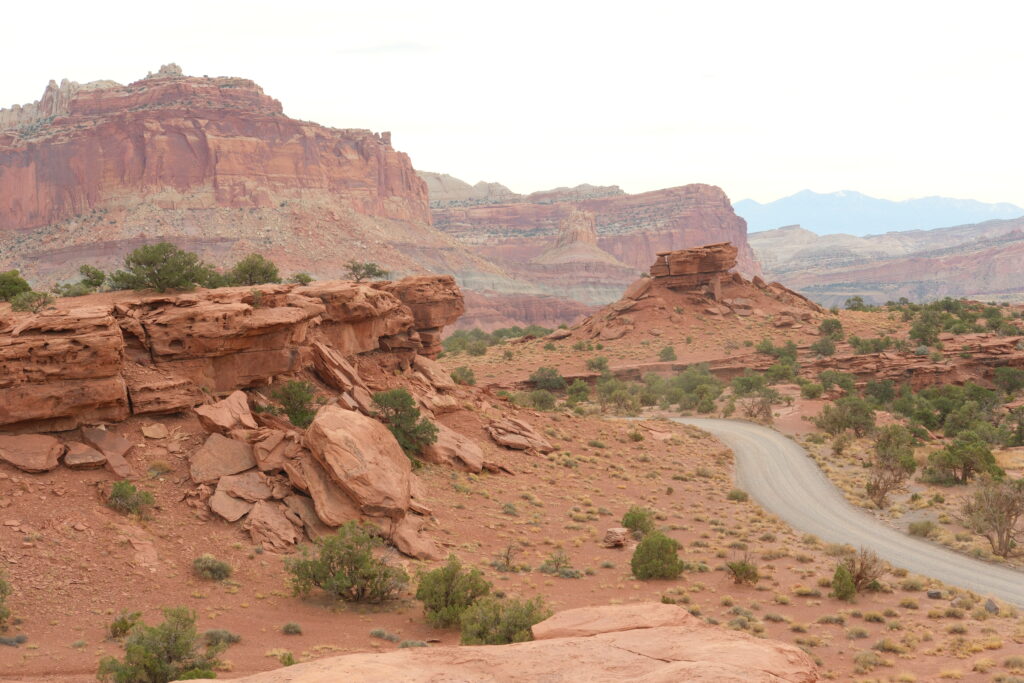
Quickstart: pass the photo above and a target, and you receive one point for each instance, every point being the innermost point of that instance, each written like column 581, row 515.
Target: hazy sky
column 897, row 99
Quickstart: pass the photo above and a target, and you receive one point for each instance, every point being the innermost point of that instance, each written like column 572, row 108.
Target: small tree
column 547, row 378
column 448, row 591
column 346, row 568
column 1010, row 380
column 31, row 301
column 597, row 364
column 865, row 568
column 656, row 557
column 668, row 353
column 92, row 276
column 843, row 587
column 849, row 412
column 578, row 391
column 161, row 267
column 297, row 399
column 301, row 279
column 639, row 520
column 491, row 621
column 163, row 653
column 996, row 511
column 12, row 284
column 893, row 462
column 824, row 346
column 399, row 412
column 464, row 375
column 967, row 456
column 253, row 270
column 743, row 571
column 359, row 271
column 831, row 328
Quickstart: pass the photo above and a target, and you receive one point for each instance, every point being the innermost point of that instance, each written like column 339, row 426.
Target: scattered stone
column 155, row 430
column 32, row 453
column 518, row 435
column 81, row 457
column 228, row 414
column 247, row 486
column 935, row 595
column 220, row 456
column 455, row 450
column 268, row 527
column 227, row 506
column 112, row 446
column 305, row 510
column 991, row 607
column 616, row 537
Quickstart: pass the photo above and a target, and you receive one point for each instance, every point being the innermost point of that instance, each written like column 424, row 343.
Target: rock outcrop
column 646, row 642
column 490, row 311
column 152, row 354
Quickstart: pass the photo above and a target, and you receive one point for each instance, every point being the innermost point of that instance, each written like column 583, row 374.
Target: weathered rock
column 334, row 370
column 248, row 486
column 31, row 452
column 269, row 527
column 333, row 506
column 518, row 435
column 227, row 506
column 272, row 448
column 616, row 537
column 622, row 648
column 362, row 457
column 113, row 447
column 455, row 450
column 226, row 415
column 152, row 393
column 435, row 301
column 434, row 373
column 409, row 539
column 155, row 430
column 305, row 510
column 220, row 456
column 81, row 457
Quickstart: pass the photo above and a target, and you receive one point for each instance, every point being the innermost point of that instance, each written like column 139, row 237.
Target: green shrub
column 127, row 499
column 558, row 564
column 463, row 375
column 346, row 568
column 123, row 624
column 161, row 267
column 547, row 378
column 220, row 636
column 811, row 390
column 578, row 391
column 301, row 279
column 743, row 571
column 668, row 353
column 163, row 653
column 656, row 557
column 490, row 621
column 824, row 347
column 738, row 495
column 30, row 301
column 5, row 592
column 843, row 587
column 597, row 364
column 291, row 629
column 831, row 328
column 12, row 284
column 541, row 399
column 924, row 528
column 448, row 591
column 639, row 520
column 399, row 412
column 210, row 568
column 359, row 271
column 296, row 397
column 254, row 269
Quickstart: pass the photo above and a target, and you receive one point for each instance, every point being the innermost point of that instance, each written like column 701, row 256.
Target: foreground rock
column 649, row 642
column 31, row 452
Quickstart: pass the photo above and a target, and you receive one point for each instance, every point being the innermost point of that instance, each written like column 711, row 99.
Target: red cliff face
column 632, row 228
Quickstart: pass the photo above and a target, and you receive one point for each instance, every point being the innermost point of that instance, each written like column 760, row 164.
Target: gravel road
column 783, row 478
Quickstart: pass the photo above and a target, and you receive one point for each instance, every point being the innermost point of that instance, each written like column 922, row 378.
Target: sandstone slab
column 269, row 527
column 227, row 506
column 518, row 435
column 249, row 486
column 220, row 456
column 228, row 414
column 113, row 447
column 81, row 457
column 31, row 452
column 305, row 510
column 455, row 450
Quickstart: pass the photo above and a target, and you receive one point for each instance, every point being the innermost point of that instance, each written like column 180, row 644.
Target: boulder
column 227, row 506
column 273, row 447
column 248, row 486
column 112, row 446
column 363, row 458
column 305, row 510
column 616, row 537
column 588, row 621
column 669, row 649
column 334, row 370
column 407, row 537
column 81, row 457
column 518, row 435
column 434, row 373
column 220, row 456
column 333, row 506
column 31, row 452
column 155, row 430
column 455, row 450
column 269, row 527
column 227, row 415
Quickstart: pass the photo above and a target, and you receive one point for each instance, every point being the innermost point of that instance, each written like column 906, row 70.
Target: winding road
column 782, row 477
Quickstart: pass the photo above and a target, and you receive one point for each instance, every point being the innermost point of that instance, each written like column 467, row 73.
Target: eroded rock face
column 455, row 450
column 435, row 303
column 616, row 643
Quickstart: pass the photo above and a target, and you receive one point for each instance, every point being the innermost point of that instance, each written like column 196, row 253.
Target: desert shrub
column 656, row 557
column 490, row 621
column 92, row 279
column 597, row 364
column 291, row 629
column 995, row 511
column 360, row 270
column 831, row 328
column 558, row 564
column 220, row 636
column 163, row 653
column 639, row 520
column 448, row 591
column 924, row 528
column 254, row 269
column 161, row 267
column 667, row 353
column 464, row 375
column 123, row 624
column 865, row 568
column 12, row 284
column 738, row 495
column 743, row 571
column 578, row 391
column 127, row 499
column 961, row 460
column 811, row 390
column 5, row 592
column 346, row 568
column 843, row 587
column 843, row 380
column 892, row 464
column 1010, row 380
column 748, row 383
column 301, row 278
column 30, row 301
column 824, row 347
column 296, row 397
column 399, row 412
column 547, row 378
column 849, row 412
column 210, row 568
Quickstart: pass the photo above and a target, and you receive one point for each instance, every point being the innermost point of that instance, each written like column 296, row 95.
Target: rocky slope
column 974, row 261
column 446, row 190
column 90, row 172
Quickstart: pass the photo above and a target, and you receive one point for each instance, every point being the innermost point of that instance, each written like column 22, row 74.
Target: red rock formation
column 490, row 311
column 692, row 268
column 151, row 354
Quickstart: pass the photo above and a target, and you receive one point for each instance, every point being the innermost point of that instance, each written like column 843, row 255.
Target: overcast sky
column 896, row 99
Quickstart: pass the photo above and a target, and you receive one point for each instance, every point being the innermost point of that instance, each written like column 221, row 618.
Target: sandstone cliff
column 89, row 172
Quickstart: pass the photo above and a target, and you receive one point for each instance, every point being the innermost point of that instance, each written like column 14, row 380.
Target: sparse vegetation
column 463, row 375
column 639, row 520
column 129, row 500
column 296, row 398
column 399, row 412
column 447, row 592
column 31, row 302
column 547, row 379
column 210, row 568
column 161, row 267
column 494, row 621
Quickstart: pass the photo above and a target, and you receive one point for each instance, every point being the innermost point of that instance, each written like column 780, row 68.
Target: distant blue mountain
column 854, row 213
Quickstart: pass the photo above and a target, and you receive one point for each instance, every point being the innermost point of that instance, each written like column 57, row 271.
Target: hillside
column 858, row 214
